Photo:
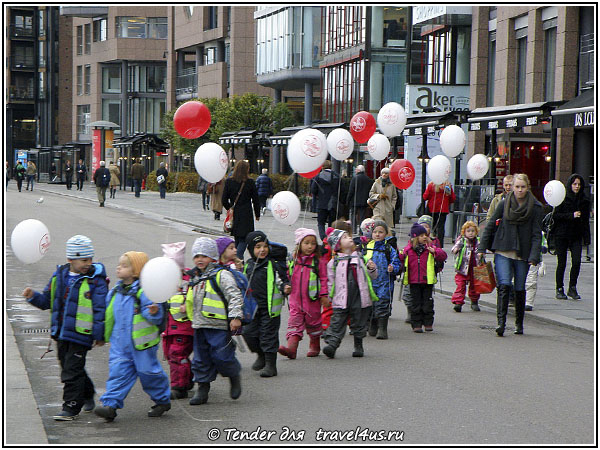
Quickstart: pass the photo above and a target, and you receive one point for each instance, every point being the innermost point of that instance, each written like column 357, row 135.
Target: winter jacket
column 98, row 174
column 31, row 169
column 358, row 192
column 164, row 172
column 494, row 204
column 565, row 224
column 302, row 268
column 385, row 208
column 216, row 197
column 337, row 280
column 183, row 326
column 243, row 219
column 325, row 189
column 384, row 283
column 256, row 271
column 137, row 171
column 418, row 264
column 463, row 249
column 64, row 311
column 115, row 173
column 264, row 185
column 20, row 171
column 438, row 202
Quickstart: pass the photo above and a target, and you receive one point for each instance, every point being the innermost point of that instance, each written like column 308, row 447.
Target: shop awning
column 287, row 133
column 244, row 137
column 579, row 112
column 152, row 140
column 511, row 116
column 428, row 123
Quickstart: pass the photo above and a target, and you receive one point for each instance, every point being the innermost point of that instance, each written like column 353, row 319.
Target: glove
column 542, row 269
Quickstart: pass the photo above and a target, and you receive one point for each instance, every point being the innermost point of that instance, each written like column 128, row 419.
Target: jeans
column 80, row 180
column 562, row 245
column 30, row 179
column 240, row 245
column 137, row 184
column 162, row 188
column 507, row 268
column 69, row 181
column 205, row 200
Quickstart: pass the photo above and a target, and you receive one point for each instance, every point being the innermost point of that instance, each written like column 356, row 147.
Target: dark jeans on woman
column 162, row 188
column 30, row 179
column 506, row 269
column 240, row 245
column 421, row 305
column 439, row 225
column 78, row 386
column 205, row 201
column 575, row 246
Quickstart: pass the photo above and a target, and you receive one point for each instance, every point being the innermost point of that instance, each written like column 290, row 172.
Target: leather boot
column 358, row 348
column 373, row 326
column 519, row 311
column 502, row 307
column 382, row 328
column 201, row 395
column 315, row 346
column 292, row 347
column 270, row 369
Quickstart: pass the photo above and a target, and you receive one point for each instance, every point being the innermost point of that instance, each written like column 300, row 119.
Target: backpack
column 548, row 232
column 105, row 178
column 249, row 305
column 279, row 254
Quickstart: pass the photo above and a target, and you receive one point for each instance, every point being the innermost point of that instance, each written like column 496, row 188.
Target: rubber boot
column 358, row 348
column 502, row 307
column 270, row 369
column 254, row 346
column 520, row 297
column 235, row 389
column 329, row 351
column 315, row 346
column 201, row 395
column 292, row 347
column 407, row 320
column 373, row 326
column 382, row 328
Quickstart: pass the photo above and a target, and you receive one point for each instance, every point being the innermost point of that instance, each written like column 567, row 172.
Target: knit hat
column 417, row 230
column 206, row 247
column 223, row 243
column 367, row 227
column 334, row 238
column 79, row 247
column 380, row 223
column 426, row 219
column 137, row 260
column 175, row 251
column 254, row 238
column 301, row 233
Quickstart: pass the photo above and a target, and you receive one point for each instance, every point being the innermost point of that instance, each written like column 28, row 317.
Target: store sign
column 584, row 119
column 427, row 13
column 496, row 124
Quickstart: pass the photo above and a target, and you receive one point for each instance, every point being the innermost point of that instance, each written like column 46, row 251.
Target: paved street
column 458, row 385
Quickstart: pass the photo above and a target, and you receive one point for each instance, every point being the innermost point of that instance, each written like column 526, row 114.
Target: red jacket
column 438, row 202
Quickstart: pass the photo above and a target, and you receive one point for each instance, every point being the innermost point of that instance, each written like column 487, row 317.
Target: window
column 145, row 114
column 79, row 80
column 41, row 22
column 111, row 79
column 549, row 27
column 157, row 28
column 111, row 110
column 88, row 38
column 80, row 40
column 100, row 30
column 491, row 75
column 394, row 26
column 210, row 56
column 343, row 27
column 156, row 77
column 42, row 53
column 521, row 68
column 83, row 119
column 210, row 19
column 42, row 85
column 87, row 75
column 23, row 25
column 141, row 27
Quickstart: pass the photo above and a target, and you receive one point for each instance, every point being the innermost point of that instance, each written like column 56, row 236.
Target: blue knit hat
column 80, row 247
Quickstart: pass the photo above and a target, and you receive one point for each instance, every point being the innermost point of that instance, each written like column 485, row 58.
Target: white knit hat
column 79, row 247
column 206, row 247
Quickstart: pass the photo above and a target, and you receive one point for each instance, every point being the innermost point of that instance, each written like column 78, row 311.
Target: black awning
column 579, row 112
column 429, row 123
column 151, row 139
column 511, row 116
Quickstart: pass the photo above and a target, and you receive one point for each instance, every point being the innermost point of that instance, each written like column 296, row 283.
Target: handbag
column 160, row 179
column 373, row 201
column 423, row 210
column 484, row 280
column 228, row 222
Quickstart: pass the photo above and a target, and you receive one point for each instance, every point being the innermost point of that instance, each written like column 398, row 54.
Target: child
column 178, row 337
column 427, row 222
column 75, row 296
column 420, row 254
column 308, row 275
column 349, row 284
column 466, row 246
column 132, row 321
column 267, row 281
column 228, row 253
column 382, row 250
column 214, row 302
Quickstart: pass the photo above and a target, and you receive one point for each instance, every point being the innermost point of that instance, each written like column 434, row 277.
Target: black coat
column 565, row 224
column 243, row 222
column 358, row 193
column 162, row 171
column 81, row 171
column 326, row 188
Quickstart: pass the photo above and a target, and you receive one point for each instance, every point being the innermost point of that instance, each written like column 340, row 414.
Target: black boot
column 560, row 294
column 177, row 393
column 382, row 332
column 572, row 292
column 502, row 307
column 519, row 311
column 358, row 348
column 236, row 387
column 201, row 395
column 254, row 346
column 373, row 326
column 329, row 351
column 270, row 369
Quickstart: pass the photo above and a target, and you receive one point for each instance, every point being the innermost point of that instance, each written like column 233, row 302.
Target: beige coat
column 115, row 173
column 216, row 198
column 385, row 208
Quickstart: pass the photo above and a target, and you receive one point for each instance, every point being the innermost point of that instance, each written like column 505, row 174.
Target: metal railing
column 22, row 62
column 187, row 82
column 20, row 31
column 21, row 93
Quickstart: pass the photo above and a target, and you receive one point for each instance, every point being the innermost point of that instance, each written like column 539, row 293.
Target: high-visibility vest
column 84, row 317
column 431, row 278
column 175, row 303
column 459, row 259
column 143, row 333
column 372, row 293
column 213, row 306
column 313, row 280
column 275, row 298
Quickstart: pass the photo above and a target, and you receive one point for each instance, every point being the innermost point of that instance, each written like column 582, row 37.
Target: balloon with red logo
column 362, row 126
column 211, row 162
column 30, row 241
column 285, row 207
column 191, row 120
column 340, row 144
column 307, row 150
column 312, row 174
column 391, row 119
column 378, row 146
column 402, row 173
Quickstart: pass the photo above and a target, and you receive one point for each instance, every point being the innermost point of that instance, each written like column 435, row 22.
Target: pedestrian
column 264, row 187
column 514, row 235
column 81, row 174
column 419, row 258
column 161, row 178
column 137, row 175
column 382, row 197
column 439, row 197
column 178, row 337
column 358, row 194
column 466, row 259
column 507, row 186
column 351, row 293
column 216, row 197
column 269, row 283
column 101, row 179
column 325, row 189
column 115, row 173
column 571, row 231
column 214, row 302
column 343, row 208
column 228, row 254
column 7, row 173
column 308, row 275
column 20, row 174
column 382, row 250
column 31, row 172
column 203, row 189
column 240, row 193
column 69, row 174
column 53, row 172
column 76, row 297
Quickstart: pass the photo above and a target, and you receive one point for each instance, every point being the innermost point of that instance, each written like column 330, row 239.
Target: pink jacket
column 301, row 276
column 340, row 295
column 417, row 265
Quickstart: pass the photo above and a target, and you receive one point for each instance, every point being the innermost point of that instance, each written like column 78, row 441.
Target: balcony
column 22, row 62
column 187, row 83
column 17, row 31
column 18, row 93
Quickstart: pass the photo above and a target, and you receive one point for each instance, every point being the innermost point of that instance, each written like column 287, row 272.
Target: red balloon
column 191, row 120
column 402, row 173
column 362, row 126
column 312, row 174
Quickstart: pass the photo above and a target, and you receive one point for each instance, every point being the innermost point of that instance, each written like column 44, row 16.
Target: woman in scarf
column 382, row 197
column 514, row 235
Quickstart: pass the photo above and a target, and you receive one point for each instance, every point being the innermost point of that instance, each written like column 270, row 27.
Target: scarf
column 385, row 182
column 515, row 213
column 420, row 248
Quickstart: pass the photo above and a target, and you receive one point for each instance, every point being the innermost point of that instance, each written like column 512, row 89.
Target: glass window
column 42, row 53
column 111, row 110
column 100, row 30
column 41, row 85
column 111, row 79
column 87, row 76
column 88, row 38
column 79, row 80
column 83, row 119
column 491, row 75
column 157, row 28
column 210, row 55
column 156, row 78
column 42, row 22
column 549, row 63
column 395, row 26
column 521, row 68
column 80, row 40
column 211, row 17
column 131, row 27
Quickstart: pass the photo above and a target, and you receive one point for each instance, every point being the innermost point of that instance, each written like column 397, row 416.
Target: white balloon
column 452, row 140
column 391, row 119
column 285, row 207
column 554, row 192
column 340, row 144
column 307, row 150
column 379, row 146
column 160, row 279
column 211, row 162
column 30, row 241
column 477, row 166
column 438, row 169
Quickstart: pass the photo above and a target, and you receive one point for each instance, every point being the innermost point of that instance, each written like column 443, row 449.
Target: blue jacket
column 383, row 285
column 264, row 185
column 63, row 312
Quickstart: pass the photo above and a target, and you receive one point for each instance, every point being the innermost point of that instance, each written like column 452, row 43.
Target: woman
column 115, row 173
column 384, row 193
column 216, row 203
column 514, row 235
column 31, row 173
column 20, row 174
column 242, row 212
column 162, row 185
column 572, row 229
column 439, row 197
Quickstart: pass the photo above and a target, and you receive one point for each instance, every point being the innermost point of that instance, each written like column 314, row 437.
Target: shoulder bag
column 228, row 223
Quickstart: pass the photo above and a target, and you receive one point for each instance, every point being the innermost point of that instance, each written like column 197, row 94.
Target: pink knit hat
column 301, row 233
column 175, row 251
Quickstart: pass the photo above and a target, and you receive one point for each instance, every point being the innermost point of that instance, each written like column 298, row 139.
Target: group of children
column 344, row 281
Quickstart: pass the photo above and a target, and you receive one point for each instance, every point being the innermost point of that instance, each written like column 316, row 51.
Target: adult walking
column 239, row 191
column 514, row 235
column 507, row 186
column 571, row 230
column 439, row 197
column 216, row 201
column 31, row 172
column 81, row 174
column 383, row 195
column 161, row 178
column 264, row 186
column 20, row 174
column 343, row 207
column 69, row 174
column 203, row 189
column 137, row 175
column 115, row 173
column 7, row 170
column 101, row 179
column 325, row 189
column 358, row 194
column 52, row 172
